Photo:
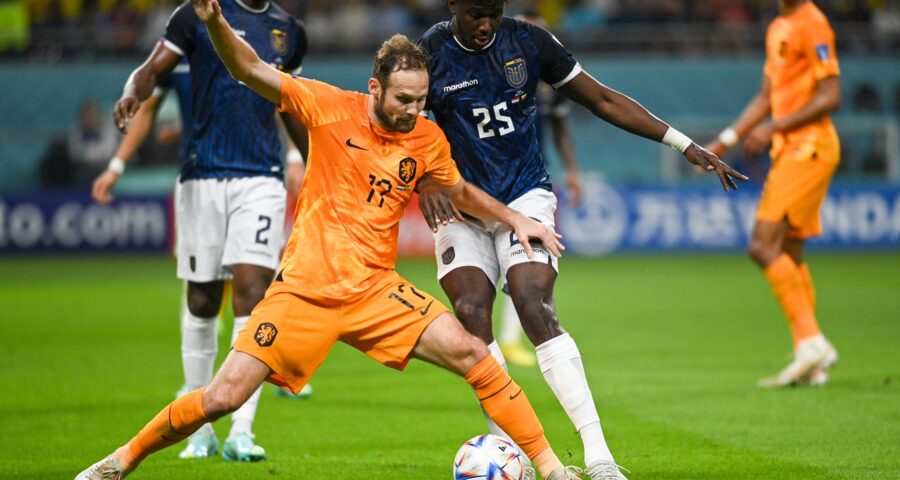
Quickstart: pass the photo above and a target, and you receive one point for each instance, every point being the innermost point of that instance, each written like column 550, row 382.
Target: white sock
column 198, row 348
column 510, row 326
column 242, row 418
column 560, row 362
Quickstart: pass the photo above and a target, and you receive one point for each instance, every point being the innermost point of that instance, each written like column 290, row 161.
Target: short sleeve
column 312, row 102
column 558, row 65
column 820, row 52
column 442, row 169
column 181, row 31
column 294, row 64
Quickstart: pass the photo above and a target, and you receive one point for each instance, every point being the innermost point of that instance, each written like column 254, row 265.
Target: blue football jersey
column 233, row 129
column 179, row 80
column 485, row 102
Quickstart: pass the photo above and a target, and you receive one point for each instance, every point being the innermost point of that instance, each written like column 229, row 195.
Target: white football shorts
column 225, row 222
column 494, row 247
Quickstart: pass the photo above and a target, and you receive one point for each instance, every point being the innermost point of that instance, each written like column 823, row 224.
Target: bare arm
column 826, row 98
column 754, row 113
column 142, row 82
column 629, row 115
column 294, row 168
column 140, row 127
column 238, row 56
column 476, row 202
column 562, row 138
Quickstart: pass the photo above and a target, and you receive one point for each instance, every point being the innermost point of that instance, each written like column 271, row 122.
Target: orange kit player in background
column 800, row 87
column 337, row 280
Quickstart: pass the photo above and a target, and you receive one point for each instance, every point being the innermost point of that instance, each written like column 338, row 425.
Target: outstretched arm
column 238, row 56
column 140, row 126
column 629, row 115
column 562, row 138
column 477, row 203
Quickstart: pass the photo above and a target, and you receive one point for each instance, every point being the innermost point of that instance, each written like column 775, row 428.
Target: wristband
column 729, row 137
column 116, row 165
column 676, row 140
column 293, row 156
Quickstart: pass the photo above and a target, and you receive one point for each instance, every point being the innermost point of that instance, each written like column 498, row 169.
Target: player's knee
column 202, row 304
column 475, row 315
column 471, row 350
column 247, row 294
column 539, row 319
column 761, row 252
column 218, row 402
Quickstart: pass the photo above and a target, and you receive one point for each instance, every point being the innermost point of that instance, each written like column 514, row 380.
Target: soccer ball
column 488, row 457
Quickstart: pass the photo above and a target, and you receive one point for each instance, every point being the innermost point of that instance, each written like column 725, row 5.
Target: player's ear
column 374, row 88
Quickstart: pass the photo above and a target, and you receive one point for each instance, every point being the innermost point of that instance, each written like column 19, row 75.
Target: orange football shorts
column 797, row 184
column 293, row 335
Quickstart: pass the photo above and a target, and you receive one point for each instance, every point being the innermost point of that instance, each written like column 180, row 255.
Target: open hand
column 526, row 229
column 103, row 185
column 708, row 161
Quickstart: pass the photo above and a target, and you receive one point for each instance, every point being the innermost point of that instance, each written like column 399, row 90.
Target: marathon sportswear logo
column 407, row 169
column 351, row 145
column 265, row 334
column 448, row 256
column 461, row 85
column 279, row 41
column 516, row 73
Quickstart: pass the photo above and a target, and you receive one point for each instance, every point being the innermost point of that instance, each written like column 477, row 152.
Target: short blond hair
column 398, row 53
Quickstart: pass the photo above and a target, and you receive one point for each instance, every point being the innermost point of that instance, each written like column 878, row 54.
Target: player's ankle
column 546, row 462
column 127, row 459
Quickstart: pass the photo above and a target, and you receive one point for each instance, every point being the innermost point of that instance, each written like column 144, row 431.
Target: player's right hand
column 436, row 206
column 104, row 183
column 125, row 110
column 206, row 10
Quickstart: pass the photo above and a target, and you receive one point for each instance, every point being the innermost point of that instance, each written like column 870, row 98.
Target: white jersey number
column 484, row 116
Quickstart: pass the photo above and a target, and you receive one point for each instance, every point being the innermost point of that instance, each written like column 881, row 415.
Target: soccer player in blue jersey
column 484, row 74
column 231, row 201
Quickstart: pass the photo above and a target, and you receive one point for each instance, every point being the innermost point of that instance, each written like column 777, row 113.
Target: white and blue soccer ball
column 488, row 457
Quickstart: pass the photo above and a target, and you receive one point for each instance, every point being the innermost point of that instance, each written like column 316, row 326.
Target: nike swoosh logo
column 511, row 397
column 425, row 312
column 350, row 144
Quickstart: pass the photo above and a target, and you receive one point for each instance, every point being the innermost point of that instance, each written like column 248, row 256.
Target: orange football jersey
column 799, row 52
column 359, row 180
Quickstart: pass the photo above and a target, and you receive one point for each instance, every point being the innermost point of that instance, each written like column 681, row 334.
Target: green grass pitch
column 672, row 346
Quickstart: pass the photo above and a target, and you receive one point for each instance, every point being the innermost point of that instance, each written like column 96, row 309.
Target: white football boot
column 604, row 470
column 812, row 355
column 568, row 472
column 107, row 469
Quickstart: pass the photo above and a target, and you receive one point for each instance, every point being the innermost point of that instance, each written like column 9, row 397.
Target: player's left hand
column 573, row 184
column 710, row 162
column 759, row 138
column 526, row 229
column 437, row 207
column 293, row 177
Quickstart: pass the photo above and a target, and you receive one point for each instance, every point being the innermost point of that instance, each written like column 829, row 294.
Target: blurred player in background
column 230, row 201
column 139, row 128
column 800, row 87
column 553, row 109
column 337, row 280
column 485, row 69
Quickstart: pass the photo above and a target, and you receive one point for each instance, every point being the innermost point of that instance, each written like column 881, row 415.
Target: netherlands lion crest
column 265, row 334
column 516, row 72
column 279, row 41
column 407, row 169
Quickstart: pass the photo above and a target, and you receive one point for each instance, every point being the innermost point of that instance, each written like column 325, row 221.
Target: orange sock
column 508, row 406
column 808, row 285
column 787, row 285
column 173, row 424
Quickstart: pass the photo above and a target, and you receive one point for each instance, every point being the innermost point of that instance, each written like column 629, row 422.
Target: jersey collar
column 252, row 10
column 472, row 50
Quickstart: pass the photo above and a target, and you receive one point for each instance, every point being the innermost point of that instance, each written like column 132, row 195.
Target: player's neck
column 787, row 7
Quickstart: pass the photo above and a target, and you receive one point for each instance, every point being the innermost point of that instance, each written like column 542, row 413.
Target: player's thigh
column 465, row 244
column 289, row 334
column 539, row 205
column 386, row 321
column 256, row 211
column 201, row 227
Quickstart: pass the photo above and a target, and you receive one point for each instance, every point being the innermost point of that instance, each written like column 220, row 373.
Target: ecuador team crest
column 407, row 170
column 279, row 41
column 516, row 72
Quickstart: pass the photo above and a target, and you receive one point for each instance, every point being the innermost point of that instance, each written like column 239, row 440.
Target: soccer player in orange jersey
column 800, row 87
column 336, row 280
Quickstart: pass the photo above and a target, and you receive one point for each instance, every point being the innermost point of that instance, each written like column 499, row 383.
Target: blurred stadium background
column 674, row 385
